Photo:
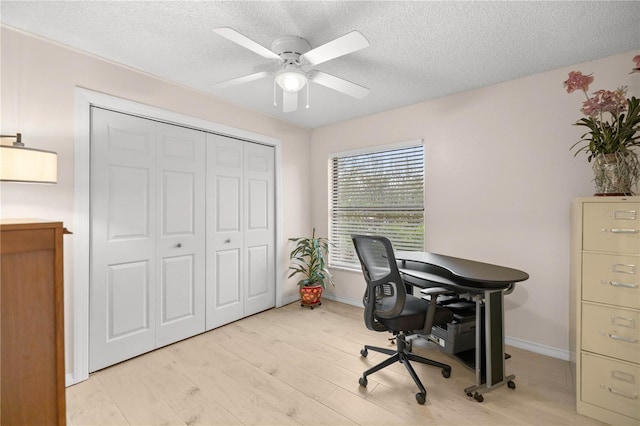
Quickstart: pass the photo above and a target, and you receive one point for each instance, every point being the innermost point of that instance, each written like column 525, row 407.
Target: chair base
column 403, row 355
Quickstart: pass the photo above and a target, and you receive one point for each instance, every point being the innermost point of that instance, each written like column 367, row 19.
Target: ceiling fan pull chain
column 275, row 103
column 307, row 96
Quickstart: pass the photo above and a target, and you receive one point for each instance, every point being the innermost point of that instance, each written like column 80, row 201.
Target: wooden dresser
column 32, row 323
column 606, row 275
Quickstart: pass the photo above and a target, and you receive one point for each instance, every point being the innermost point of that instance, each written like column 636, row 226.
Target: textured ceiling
column 418, row 50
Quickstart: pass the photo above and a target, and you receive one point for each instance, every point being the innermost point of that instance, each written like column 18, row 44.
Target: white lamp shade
column 19, row 164
column 291, row 81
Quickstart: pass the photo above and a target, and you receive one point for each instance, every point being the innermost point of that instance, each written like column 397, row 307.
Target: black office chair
column 388, row 307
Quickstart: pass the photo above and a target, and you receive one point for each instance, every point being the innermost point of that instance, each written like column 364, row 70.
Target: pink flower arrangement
column 612, row 118
column 614, row 102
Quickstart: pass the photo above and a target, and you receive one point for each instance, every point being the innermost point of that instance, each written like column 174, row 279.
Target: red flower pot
column 310, row 295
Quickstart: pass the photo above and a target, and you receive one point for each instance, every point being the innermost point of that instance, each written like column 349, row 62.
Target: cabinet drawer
column 611, row 331
column 611, row 384
column 611, row 279
column 612, row 227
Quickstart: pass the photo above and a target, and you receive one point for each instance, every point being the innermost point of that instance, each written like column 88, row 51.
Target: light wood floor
column 298, row 366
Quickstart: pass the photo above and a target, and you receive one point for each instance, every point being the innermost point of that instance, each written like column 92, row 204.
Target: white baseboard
column 346, row 301
column 290, row 299
column 538, row 348
column 512, row 341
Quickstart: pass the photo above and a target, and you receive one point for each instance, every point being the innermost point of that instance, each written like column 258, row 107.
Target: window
column 377, row 193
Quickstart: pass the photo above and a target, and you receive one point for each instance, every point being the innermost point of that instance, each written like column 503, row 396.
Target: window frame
column 337, row 264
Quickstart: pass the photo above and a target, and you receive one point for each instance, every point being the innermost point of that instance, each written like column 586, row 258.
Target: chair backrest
column 386, row 293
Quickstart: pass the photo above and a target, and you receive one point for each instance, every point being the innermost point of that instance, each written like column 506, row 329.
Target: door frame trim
column 84, row 100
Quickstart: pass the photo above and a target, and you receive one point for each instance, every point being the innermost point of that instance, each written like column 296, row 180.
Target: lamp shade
column 19, row 164
column 291, row 80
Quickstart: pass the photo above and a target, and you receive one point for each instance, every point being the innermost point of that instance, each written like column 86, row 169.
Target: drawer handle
column 624, row 231
column 623, row 269
column 624, row 214
column 625, row 285
column 623, row 376
column 620, row 393
column 623, row 322
column 622, row 338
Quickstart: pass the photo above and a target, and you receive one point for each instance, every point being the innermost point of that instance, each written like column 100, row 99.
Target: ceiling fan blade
column 240, row 80
column 289, row 101
column 244, row 41
column 348, row 43
column 339, row 84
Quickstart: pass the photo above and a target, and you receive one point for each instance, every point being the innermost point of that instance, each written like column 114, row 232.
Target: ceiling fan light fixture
column 291, row 80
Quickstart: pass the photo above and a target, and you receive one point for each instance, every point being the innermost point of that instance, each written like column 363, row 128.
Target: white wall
column 37, row 85
column 499, row 182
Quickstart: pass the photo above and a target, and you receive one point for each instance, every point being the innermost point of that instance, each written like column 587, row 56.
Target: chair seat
column 413, row 315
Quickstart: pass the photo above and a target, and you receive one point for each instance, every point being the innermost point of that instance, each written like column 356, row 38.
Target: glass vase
column 613, row 174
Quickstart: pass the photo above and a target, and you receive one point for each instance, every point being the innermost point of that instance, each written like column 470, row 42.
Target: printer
column 458, row 335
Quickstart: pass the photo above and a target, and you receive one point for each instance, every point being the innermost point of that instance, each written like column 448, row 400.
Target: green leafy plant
column 308, row 259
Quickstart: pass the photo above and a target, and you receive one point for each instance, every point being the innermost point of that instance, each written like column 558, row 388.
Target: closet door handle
column 227, row 241
column 179, row 245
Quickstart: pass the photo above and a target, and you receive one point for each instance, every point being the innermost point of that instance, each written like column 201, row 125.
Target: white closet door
column 148, row 236
column 225, row 239
column 259, row 222
column 181, row 237
column 123, row 252
column 240, row 231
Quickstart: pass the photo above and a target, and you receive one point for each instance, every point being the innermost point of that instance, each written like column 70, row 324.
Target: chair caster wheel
column 511, row 384
column 421, row 398
column 446, row 373
column 478, row 397
column 364, row 352
column 469, row 394
column 363, row 381
column 302, row 305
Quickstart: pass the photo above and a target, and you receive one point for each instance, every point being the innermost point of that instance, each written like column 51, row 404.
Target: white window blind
column 377, row 193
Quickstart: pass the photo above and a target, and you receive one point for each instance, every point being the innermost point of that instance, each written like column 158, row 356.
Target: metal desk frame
column 488, row 284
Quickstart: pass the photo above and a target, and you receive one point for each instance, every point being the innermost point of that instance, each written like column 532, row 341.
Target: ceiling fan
column 296, row 60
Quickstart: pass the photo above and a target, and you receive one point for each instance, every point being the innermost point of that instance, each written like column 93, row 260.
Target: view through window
column 376, row 193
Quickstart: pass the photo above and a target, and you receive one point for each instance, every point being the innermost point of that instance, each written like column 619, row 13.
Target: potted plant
column 612, row 120
column 308, row 259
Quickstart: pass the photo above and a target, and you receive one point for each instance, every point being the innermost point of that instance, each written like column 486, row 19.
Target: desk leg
column 490, row 365
column 494, row 337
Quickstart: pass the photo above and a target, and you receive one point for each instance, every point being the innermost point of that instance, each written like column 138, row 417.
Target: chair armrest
column 434, row 293
column 437, row 291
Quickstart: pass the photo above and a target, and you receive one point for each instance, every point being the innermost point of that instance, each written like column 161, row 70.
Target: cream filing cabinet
column 606, row 275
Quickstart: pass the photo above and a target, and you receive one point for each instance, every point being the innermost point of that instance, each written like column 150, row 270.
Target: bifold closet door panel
column 225, row 239
column 259, row 228
column 180, row 247
column 123, row 238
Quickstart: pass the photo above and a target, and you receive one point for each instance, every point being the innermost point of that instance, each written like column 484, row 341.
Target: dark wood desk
column 487, row 283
